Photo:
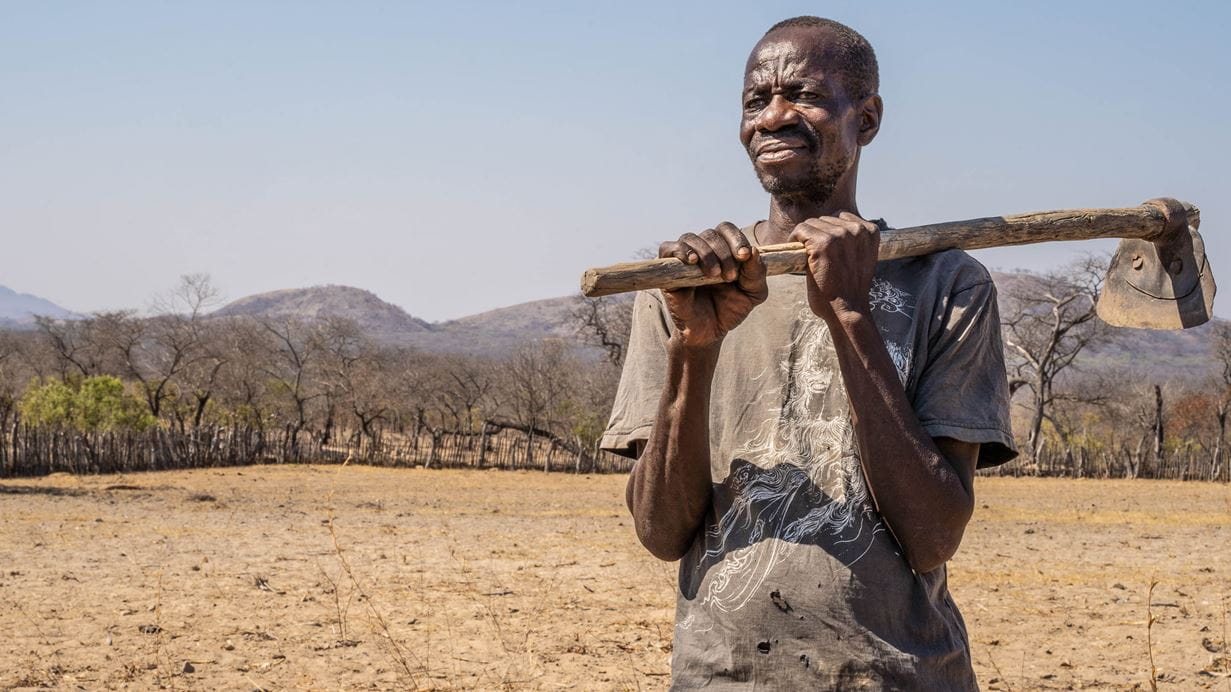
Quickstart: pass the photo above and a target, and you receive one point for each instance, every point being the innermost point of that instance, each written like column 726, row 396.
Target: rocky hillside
column 19, row 309
column 384, row 321
column 1181, row 355
column 491, row 333
column 1186, row 355
column 499, row 331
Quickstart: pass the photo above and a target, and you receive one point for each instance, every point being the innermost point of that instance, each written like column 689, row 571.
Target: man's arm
column 669, row 488
column 923, row 488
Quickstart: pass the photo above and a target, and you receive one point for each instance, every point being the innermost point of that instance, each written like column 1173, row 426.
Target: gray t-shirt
column 794, row 580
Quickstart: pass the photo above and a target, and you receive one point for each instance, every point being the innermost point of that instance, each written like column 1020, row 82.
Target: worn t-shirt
column 795, row 581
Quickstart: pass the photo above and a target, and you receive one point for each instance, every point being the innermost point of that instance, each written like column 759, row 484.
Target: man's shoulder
column 948, row 271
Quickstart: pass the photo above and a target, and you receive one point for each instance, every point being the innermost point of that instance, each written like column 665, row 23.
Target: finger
column 809, row 231
column 673, row 248
column 678, row 250
column 833, row 224
column 738, row 242
column 819, row 230
column 862, row 222
column 722, row 251
column 703, row 254
column 854, row 223
column 752, row 275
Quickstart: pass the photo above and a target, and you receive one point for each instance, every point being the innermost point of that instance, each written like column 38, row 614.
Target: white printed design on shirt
column 800, row 456
column 889, row 298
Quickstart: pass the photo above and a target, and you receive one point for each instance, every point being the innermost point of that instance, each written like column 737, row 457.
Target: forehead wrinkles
column 778, row 61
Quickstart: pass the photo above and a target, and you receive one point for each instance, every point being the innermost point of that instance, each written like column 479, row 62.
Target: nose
column 779, row 113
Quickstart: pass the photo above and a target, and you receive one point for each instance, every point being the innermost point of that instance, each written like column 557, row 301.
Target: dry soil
column 318, row 577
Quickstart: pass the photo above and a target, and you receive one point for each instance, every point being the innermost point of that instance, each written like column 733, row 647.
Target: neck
column 787, row 213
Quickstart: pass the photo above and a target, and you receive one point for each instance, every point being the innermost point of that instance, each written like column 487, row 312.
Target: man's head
column 809, row 103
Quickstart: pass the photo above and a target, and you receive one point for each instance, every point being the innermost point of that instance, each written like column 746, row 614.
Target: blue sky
column 456, row 157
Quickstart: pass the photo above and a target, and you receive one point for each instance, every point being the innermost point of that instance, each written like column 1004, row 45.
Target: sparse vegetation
column 265, row 381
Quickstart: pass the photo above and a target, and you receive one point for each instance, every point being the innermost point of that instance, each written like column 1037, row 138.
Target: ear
column 870, row 113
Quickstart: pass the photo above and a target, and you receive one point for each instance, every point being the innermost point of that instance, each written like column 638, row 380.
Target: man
column 807, row 443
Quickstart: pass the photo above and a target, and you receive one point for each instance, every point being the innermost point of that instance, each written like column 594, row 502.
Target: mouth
column 781, row 150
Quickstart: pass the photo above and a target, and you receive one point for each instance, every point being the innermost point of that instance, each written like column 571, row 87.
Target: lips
column 778, row 149
column 772, row 147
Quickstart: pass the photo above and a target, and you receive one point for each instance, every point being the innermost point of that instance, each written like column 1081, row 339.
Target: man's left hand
column 842, row 254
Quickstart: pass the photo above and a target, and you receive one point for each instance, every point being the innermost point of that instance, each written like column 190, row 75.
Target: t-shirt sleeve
column 962, row 391
column 641, row 380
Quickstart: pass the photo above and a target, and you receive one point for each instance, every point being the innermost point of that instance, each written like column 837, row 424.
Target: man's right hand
column 703, row 315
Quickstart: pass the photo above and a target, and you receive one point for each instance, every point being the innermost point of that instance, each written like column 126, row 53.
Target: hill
column 383, row 321
column 497, row 332
column 1179, row 355
column 491, row 333
column 19, row 309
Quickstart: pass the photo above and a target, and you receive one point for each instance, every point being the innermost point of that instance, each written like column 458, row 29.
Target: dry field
column 236, row 579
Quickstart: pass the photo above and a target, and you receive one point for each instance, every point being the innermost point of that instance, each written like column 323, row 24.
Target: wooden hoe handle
column 1146, row 221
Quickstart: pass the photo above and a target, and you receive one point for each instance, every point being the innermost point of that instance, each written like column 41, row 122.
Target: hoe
column 1158, row 279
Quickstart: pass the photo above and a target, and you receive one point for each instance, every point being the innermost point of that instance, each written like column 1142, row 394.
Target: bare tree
column 176, row 341
column 290, row 361
column 605, row 322
column 11, row 374
column 538, row 376
column 75, row 345
column 590, row 395
column 467, row 386
column 203, row 376
column 1048, row 320
column 243, row 384
column 355, row 374
column 1222, row 352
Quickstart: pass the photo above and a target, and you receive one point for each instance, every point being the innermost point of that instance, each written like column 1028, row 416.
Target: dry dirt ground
column 233, row 579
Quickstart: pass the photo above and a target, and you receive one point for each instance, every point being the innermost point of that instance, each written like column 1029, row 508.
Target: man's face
column 799, row 126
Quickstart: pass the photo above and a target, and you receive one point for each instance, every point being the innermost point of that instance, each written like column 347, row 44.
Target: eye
column 755, row 103
column 806, row 95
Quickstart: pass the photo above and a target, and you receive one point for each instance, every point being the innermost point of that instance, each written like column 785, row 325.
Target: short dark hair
column 860, row 73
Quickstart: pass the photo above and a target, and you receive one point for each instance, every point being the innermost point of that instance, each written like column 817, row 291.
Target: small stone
column 188, row 667
column 229, row 646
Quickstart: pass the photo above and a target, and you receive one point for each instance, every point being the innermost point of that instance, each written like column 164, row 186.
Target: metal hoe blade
column 1163, row 282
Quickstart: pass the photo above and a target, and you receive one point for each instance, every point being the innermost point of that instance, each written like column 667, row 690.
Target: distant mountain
column 19, row 309
column 491, row 333
column 383, row 321
column 497, row 332
column 1156, row 356
column 1179, row 355
column 1171, row 355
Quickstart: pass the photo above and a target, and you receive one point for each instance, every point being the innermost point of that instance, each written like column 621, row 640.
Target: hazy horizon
column 455, row 159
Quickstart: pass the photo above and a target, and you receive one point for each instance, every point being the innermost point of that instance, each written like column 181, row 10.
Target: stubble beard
column 815, row 186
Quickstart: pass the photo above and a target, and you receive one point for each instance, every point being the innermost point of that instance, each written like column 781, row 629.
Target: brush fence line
column 30, row 451
column 33, row 451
